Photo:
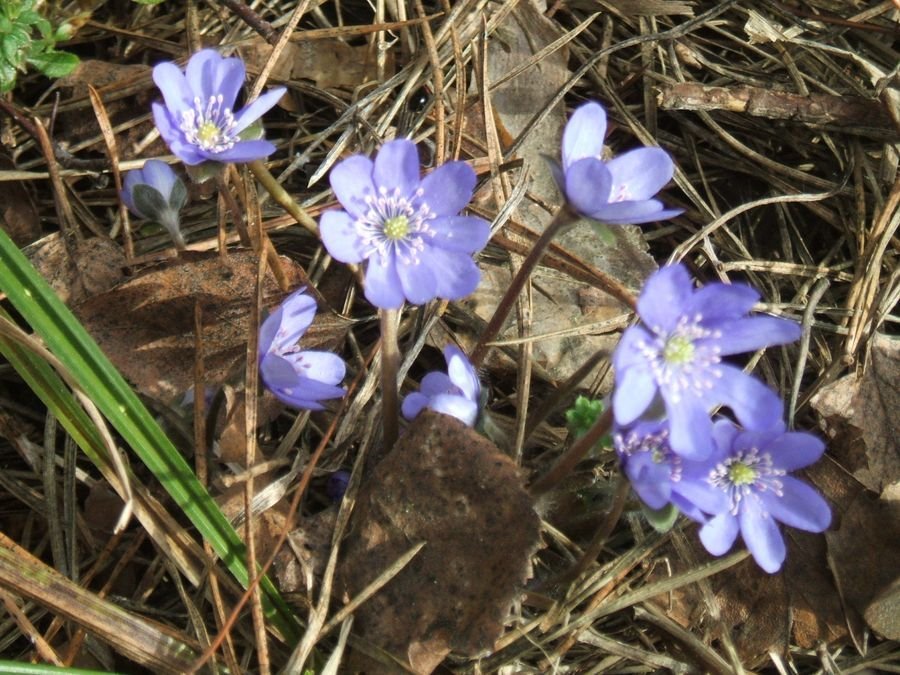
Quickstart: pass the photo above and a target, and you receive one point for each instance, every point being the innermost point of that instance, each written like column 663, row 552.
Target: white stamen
column 680, row 363
column 210, row 127
column 384, row 207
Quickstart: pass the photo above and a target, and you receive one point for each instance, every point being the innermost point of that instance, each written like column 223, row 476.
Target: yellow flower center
column 396, row 228
column 208, row 133
column 741, row 474
column 678, row 349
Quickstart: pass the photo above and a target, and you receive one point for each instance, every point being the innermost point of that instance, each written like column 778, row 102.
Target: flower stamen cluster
column 210, row 127
column 395, row 227
column 745, row 474
column 197, row 119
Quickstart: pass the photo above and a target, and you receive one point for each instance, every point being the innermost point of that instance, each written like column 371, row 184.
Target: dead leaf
column 447, row 486
column 330, row 63
column 79, row 124
column 146, row 325
column 19, row 216
column 558, row 304
column 859, row 415
column 98, row 265
column 865, row 559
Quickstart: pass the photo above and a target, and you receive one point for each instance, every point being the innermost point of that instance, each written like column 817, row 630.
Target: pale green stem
column 280, row 195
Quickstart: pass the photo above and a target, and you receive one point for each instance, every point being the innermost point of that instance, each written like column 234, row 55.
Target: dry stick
column 390, row 365
column 251, row 388
column 109, row 138
column 563, row 219
column 438, row 81
column 252, row 19
column 590, row 554
column 289, row 522
column 235, row 210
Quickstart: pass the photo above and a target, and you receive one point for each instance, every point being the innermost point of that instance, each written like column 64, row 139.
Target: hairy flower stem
column 563, row 220
column 280, row 195
column 390, row 365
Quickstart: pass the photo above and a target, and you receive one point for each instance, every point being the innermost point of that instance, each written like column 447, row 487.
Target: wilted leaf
column 859, row 415
column 97, row 265
column 559, row 301
column 80, row 123
column 447, row 486
column 330, row 63
column 865, row 559
column 146, row 325
column 18, row 215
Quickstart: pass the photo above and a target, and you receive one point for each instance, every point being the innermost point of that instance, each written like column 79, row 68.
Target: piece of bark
column 841, row 111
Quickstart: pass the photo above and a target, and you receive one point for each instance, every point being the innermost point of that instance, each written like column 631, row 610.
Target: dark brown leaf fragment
column 448, row 486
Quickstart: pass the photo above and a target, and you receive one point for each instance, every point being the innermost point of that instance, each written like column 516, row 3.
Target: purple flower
column 408, row 230
column 299, row 378
column 197, row 121
column 456, row 393
column 155, row 193
column 618, row 191
column 336, row 485
column 676, row 356
column 657, row 474
column 749, row 490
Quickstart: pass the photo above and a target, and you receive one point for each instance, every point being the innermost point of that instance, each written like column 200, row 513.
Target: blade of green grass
column 71, row 344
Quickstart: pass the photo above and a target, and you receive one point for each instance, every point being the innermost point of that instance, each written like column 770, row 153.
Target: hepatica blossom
column 198, row 121
column 750, row 491
column 618, row 191
column 675, row 357
column 155, row 193
column 658, row 475
column 407, row 229
column 299, row 378
column 456, row 392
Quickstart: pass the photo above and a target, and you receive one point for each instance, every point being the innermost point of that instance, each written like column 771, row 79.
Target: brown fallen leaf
column 865, row 558
column 447, row 486
column 19, row 216
column 859, row 415
column 80, row 123
column 558, row 301
column 330, row 63
column 146, row 325
column 96, row 266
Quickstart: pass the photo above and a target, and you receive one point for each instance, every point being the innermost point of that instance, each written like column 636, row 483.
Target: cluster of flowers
column 198, row 124
column 416, row 247
column 669, row 377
